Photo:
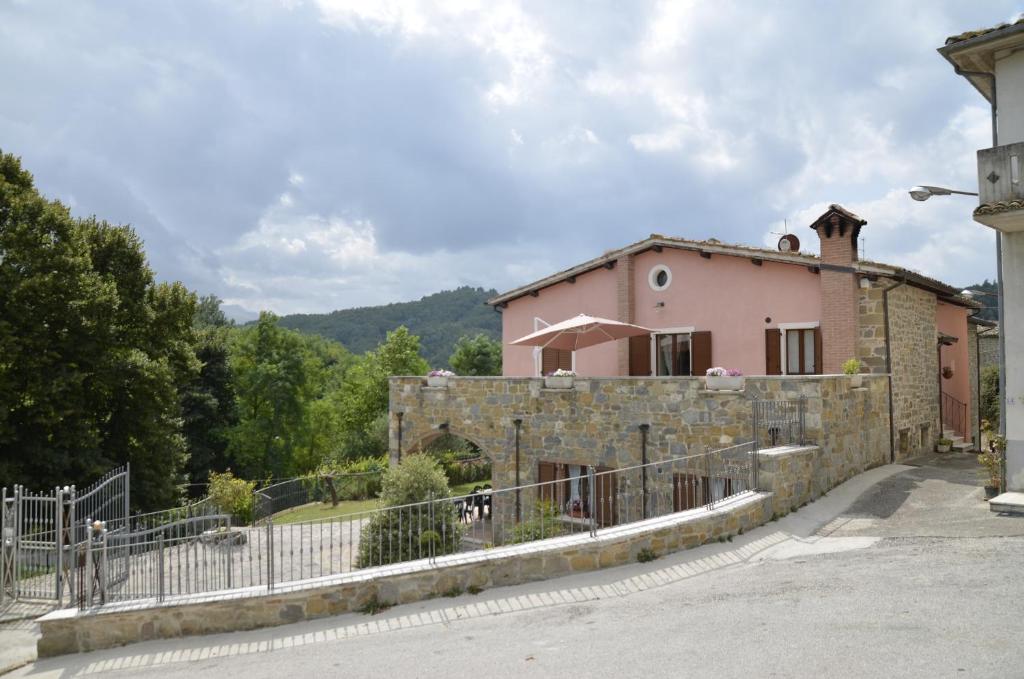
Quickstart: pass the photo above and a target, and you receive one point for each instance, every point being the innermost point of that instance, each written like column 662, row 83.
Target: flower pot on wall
column 856, row 381
column 725, row 382
column 558, row 382
column 943, row 448
column 437, row 381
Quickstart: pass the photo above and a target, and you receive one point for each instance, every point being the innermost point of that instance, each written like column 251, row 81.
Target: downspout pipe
column 519, row 513
column 888, row 364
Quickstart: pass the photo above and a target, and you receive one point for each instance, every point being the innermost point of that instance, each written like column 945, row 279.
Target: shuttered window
column 640, row 356
column 700, row 352
column 555, row 359
column 803, row 351
column 773, row 351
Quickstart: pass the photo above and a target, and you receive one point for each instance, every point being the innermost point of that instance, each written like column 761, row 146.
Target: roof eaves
column 710, row 247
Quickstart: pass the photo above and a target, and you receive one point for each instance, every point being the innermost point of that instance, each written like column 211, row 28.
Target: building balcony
column 1001, row 193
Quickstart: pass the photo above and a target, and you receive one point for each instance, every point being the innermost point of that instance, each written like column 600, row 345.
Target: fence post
column 89, row 573
column 803, row 408
column 160, row 567
column 270, row 554
column 592, row 500
column 4, row 547
column 58, row 543
column 127, row 493
column 711, row 478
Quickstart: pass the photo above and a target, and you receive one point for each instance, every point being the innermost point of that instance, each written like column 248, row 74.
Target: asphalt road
column 901, row 572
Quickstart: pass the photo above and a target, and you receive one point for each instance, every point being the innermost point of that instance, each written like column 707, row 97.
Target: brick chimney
column 838, row 230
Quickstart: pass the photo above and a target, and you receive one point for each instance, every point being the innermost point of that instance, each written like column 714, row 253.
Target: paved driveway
column 899, row 572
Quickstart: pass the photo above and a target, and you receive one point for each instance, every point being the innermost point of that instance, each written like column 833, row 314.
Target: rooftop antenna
column 788, row 242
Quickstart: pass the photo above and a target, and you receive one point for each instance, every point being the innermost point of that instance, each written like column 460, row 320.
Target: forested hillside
column 439, row 320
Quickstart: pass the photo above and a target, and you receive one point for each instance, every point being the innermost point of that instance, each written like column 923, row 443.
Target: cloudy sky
column 307, row 156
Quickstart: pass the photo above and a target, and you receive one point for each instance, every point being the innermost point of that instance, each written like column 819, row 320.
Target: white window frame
column 652, row 276
column 783, row 327
column 538, row 352
column 680, row 330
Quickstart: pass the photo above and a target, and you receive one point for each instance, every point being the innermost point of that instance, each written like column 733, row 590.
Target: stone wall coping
column 605, row 537
column 782, row 451
column 625, row 378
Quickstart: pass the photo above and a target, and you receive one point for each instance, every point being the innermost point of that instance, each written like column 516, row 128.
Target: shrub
column 463, row 466
column 646, row 554
column 403, row 533
column 232, row 495
column 990, row 395
column 992, row 460
column 543, row 522
column 851, row 367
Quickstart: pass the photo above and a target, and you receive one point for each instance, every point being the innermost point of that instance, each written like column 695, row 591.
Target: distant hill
column 439, row 320
column 991, row 302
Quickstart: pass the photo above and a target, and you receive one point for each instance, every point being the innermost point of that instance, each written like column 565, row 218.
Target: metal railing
column 778, row 423
column 303, row 490
column 213, row 556
column 954, row 415
column 40, row 531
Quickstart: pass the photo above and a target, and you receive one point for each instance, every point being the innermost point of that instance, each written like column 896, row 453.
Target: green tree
column 402, row 532
column 91, row 349
column 286, row 386
column 364, row 399
column 208, row 408
column 479, row 355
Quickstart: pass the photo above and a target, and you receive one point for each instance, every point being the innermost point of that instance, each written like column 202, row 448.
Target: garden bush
column 415, row 532
column 990, row 395
column 232, row 495
column 542, row 522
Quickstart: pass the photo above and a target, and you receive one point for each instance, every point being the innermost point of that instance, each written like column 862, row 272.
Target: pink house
column 764, row 312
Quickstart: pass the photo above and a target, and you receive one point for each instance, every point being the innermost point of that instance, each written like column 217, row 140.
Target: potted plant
column 439, row 378
column 721, row 379
column 944, row 445
column 559, row 379
column 852, row 368
column 992, row 461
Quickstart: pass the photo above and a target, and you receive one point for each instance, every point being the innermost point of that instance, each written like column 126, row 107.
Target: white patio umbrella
column 580, row 332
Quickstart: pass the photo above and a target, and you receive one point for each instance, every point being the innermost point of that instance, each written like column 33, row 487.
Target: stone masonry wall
column 989, row 349
column 871, row 341
column 597, row 421
column 915, row 370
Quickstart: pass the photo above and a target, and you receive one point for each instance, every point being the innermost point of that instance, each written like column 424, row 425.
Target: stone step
column 1008, row 503
column 963, row 446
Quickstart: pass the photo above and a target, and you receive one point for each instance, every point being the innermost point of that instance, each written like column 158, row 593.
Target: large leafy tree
column 364, row 399
column 479, row 355
column 92, row 349
column 284, row 381
column 208, row 400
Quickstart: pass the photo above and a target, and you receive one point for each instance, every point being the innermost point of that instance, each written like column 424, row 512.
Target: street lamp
column 923, row 193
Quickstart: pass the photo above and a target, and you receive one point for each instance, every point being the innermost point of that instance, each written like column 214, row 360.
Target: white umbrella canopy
column 580, row 332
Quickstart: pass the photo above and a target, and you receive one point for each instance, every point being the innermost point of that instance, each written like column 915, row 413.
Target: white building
column 993, row 61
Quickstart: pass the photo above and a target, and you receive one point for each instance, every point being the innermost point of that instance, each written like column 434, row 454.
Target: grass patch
column 324, row 510
column 474, row 589
column 453, row 592
column 645, row 555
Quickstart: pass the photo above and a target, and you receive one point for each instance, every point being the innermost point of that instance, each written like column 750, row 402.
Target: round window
column 660, row 277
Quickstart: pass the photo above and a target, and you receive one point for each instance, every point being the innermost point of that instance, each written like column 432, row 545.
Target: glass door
column 673, row 354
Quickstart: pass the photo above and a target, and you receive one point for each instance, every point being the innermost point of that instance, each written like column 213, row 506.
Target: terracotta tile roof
column 714, row 246
column 1001, row 206
column 968, row 35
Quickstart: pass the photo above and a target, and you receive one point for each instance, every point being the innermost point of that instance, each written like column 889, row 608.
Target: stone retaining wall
column 70, row 631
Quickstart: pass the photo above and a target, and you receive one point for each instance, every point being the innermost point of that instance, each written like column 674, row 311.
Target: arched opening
column 470, row 475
